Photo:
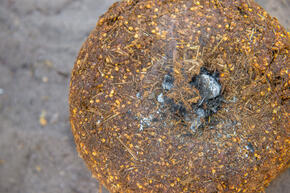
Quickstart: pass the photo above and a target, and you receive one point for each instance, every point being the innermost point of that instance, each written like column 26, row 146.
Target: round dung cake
column 183, row 96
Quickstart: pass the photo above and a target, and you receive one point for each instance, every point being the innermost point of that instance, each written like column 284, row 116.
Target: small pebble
column 44, row 79
column 38, row 168
column 42, row 119
column 160, row 98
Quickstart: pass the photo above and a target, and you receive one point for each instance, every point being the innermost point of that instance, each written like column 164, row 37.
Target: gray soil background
column 39, row 42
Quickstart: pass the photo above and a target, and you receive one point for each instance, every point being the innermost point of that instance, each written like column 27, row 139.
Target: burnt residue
column 207, row 83
column 250, row 147
column 211, row 97
column 168, row 81
column 209, row 87
column 210, row 90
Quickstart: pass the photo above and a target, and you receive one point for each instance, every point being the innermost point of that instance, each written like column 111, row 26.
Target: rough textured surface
column 220, row 70
column 35, row 35
column 39, row 41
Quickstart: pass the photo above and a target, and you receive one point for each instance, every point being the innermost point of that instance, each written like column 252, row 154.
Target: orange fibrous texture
column 134, row 105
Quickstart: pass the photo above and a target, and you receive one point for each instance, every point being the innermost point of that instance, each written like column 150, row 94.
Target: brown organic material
column 183, row 96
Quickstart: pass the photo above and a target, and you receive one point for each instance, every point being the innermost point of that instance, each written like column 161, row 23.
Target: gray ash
column 167, row 83
column 250, row 147
column 209, row 89
column 207, row 83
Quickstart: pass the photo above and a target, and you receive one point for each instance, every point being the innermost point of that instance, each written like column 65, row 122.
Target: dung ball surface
column 142, row 124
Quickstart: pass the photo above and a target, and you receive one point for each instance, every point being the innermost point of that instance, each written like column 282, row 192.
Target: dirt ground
column 39, row 41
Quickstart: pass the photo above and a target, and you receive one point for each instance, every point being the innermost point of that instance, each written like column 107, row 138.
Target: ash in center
column 210, row 98
column 208, row 85
column 210, row 91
